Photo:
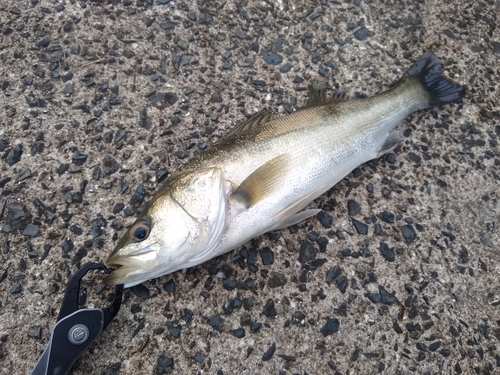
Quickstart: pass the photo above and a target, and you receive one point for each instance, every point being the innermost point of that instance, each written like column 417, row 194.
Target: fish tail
column 427, row 70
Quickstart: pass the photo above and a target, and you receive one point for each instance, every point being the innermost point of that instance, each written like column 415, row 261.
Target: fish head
column 179, row 228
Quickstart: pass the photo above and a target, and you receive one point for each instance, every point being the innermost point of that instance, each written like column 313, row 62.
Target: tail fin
column 427, row 70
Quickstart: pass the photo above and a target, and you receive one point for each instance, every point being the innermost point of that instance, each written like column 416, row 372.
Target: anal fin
column 394, row 139
column 292, row 215
column 295, row 219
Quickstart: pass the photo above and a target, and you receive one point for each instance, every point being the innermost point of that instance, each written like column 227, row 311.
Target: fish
column 264, row 172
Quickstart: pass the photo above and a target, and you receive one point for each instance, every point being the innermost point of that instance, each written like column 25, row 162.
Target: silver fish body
column 263, row 174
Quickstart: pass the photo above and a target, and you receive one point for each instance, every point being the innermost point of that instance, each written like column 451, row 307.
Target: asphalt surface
column 102, row 100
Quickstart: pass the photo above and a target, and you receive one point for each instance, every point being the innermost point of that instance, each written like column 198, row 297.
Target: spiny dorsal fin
column 263, row 181
column 259, row 118
column 317, row 95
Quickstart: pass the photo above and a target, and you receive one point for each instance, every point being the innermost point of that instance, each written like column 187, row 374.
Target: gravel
column 101, row 103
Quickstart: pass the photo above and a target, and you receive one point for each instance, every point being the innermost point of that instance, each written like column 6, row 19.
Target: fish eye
column 140, row 230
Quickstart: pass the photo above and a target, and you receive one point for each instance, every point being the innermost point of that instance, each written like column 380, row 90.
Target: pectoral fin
column 263, row 181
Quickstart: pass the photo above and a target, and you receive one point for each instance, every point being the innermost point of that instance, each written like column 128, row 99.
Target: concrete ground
column 101, row 99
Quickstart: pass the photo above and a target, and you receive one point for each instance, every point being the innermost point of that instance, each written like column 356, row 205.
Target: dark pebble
column 135, row 308
column 269, row 353
column 287, row 357
column 313, row 236
column 396, row 327
column 215, row 322
column 445, row 352
column 62, row 169
column 116, row 225
column 307, row 251
column 238, row 332
column 346, row 252
column 362, row 33
column 314, row 264
column 67, row 245
column 109, row 165
column 355, row 354
column 415, row 158
column 28, row 81
column 24, row 175
column 42, row 43
column 269, row 309
column 95, row 229
column 79, row 159
column 141, row 291
column 267, row 256
column 35, row 332
column 138, row 196
column 434, row 346
column 187, row 315
column 16, row 288
column 286, row 68
column 324, row 72
column 298, row 79
column 332, row 274
column 421, row 346
column 325, row 219
column 361, row 228
column 76, row 229
column 387, row 252
column 276, row 280
column 198, row 357
column 164, row 365
column 240, row 34
column 374, row 297
column 386, row 216
column 255, row 327
column 353, row 207
column 17, row 217
column 174, row 330
column 118, row 208
column 330, row 327
column 229, row 284
column 386, row 297
column 272, row 58
column 342, row 283
column 181, row 154
column 408, row 233
column 14, row 155
column 30, row 230
column 169, row 286
column 6, row 30
column 342, row 309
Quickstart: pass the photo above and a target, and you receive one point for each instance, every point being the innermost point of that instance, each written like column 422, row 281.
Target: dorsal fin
column 259, row 118
column 317, row 95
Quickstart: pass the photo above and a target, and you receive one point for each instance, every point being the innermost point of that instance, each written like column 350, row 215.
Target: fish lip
column 124, row 271
column 127, row 269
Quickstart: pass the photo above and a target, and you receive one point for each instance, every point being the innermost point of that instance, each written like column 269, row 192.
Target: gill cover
column 202, row 196
column 186, row 223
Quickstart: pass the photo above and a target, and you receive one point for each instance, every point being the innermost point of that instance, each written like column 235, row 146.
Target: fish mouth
column 131, row 269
